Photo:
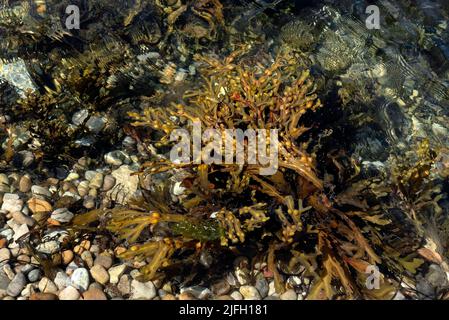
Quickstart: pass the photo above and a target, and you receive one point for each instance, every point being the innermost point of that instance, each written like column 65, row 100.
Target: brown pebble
column 169, row 296
column 94, row 294
column 38, row 205
column 104, row 259
column 66, row 186
column 25, row 184
column 43, row 296
column 3, row 242
column 85, row 244
column 119, row 250
column 186, row 296
column 53, row 222
column 53, row 181
column 67, row 256
column 21, row 218
column 23, row 258
column 224, row 297
column 78, row 249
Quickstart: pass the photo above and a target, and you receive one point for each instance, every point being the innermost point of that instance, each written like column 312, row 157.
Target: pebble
column 5, row 255
column 27, row 268
column 71, row 267
column 97, row 181
column 16, row 285
column 89, row 202
column 95, row 249
column 230, row 278
column 436, row 276
column 142, row 290
column 30, row 288
column 89, row 174
column 289, row 295
column 62, row 215
column 236, row 295
column 129, row 142
column 38, row 206
column 221, row 288
column 48, row 247
column 8, row 234
column 186, row 296
column 178, row 189
column 40, row 191
column 34, row 275
column 20, row 218
column 79, row 117
column 94, row 294
column 104, row 259
column 262, row 286
column 100, row 274
column 4, row 281
column 108, row 182
column 46, row 285
column 80, row 279
column 69, row 293
column 11, row 202
column 8, row 271
column 67, row 256
column 272, row 289
column 83, row 188
column 124, row 285
column 242, row 276
column 84, row 245
column 21, row 231
column 23, row 259
column 93, row 192
column 71, row 195
column 95, row 124
column 4, row 179
column 15, row 251
column 250, row 293
column 72, row 176
column 25, row 184
column 272, row 298
column 43, row 296
column 128, row 184
column 397, row 296
column 86, row 256
column 116, row 272
column 3, row 242
column 198, row 292
column 62, row 280
column 167, row 287
column 168, row 296
column 116, row 158
column 293, row 281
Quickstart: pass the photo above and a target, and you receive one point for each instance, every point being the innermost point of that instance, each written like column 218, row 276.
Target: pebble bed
column 87, row 272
